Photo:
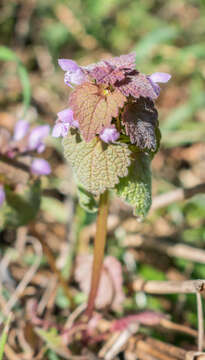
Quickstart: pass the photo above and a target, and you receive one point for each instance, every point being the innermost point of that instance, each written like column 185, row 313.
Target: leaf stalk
column 99, row 247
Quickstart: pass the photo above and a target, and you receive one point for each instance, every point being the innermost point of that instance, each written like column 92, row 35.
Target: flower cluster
column 109, row 90
column 25, row 141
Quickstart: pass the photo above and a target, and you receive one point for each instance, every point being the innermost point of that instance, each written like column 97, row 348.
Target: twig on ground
column 169, row 287
column 170, row 325
column 176, row 195
column 27, row 277
column 52, row 263
column 10, row 354
column 168, row 247
column 120, row 341
column 195, row 355
column 200, row 322
column 74, row 315
column 167, row 348
column 145, row 348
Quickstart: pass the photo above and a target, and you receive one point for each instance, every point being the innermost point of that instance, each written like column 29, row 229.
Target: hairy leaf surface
column 97, row 166
column 135, row 188
column 93, row 107
column 140, row 121
column 136, row 85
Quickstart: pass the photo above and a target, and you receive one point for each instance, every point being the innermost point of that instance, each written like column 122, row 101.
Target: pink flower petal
column 37, row 136
column 68, row 65
column 20, row 130
column 109, row 134
column 40, row 167
column 66, row 116
column 160, row 77
column 2, row 195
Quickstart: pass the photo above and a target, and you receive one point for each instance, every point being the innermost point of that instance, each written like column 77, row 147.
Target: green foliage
column 135, row 188
column 20, row 209
column 87, row 200
column 97, row 166
column 51, row 337
column 148, row 272
column 3, row 337
column 7, row 54
column 145, row 46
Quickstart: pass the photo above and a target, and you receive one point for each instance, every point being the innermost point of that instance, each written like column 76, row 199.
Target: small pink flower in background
column 2, row 195
column 36, row 138
column 20, row 130
column 64, row 122
column 109, row 134
column 40, row 167
column 74, row 73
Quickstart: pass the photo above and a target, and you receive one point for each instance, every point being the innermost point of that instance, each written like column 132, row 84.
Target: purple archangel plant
column 24, row 143
column 110, row 135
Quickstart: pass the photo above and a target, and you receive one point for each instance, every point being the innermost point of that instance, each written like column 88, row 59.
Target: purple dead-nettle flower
column 36, row 138
column 2, row 195
column 74, row 73
column 64, row 122
column 109, row 134
column 40, row 167
column 158, row 77
column 20, row 130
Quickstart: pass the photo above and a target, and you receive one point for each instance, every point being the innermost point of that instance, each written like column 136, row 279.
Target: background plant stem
column 99, row 246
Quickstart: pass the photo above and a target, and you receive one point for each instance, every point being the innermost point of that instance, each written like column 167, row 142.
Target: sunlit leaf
column 97, row 165
column 135, row 189
column 93, row 107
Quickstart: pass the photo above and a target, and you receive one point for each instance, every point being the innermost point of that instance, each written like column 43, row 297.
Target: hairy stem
column 99, row 246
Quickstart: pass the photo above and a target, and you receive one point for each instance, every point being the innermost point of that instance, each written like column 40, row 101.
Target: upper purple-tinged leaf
column 126, row 61
column 111, row 70
column 74, row 73
column 40, row 167
column 20, row 130
column 109, row 134
column 37, row 136
column 136, row 85
column 2, row 195
column 107, row 74
column 140, row 120
column 160, row 77
column 94, row 106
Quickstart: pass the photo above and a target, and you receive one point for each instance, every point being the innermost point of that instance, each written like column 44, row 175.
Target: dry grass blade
column 200, row 322
column 169, row 287
column 120, row 341
column 176, row 195
column 27, row 277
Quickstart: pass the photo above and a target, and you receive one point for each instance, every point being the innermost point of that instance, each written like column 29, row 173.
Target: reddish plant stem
column 99, row 247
